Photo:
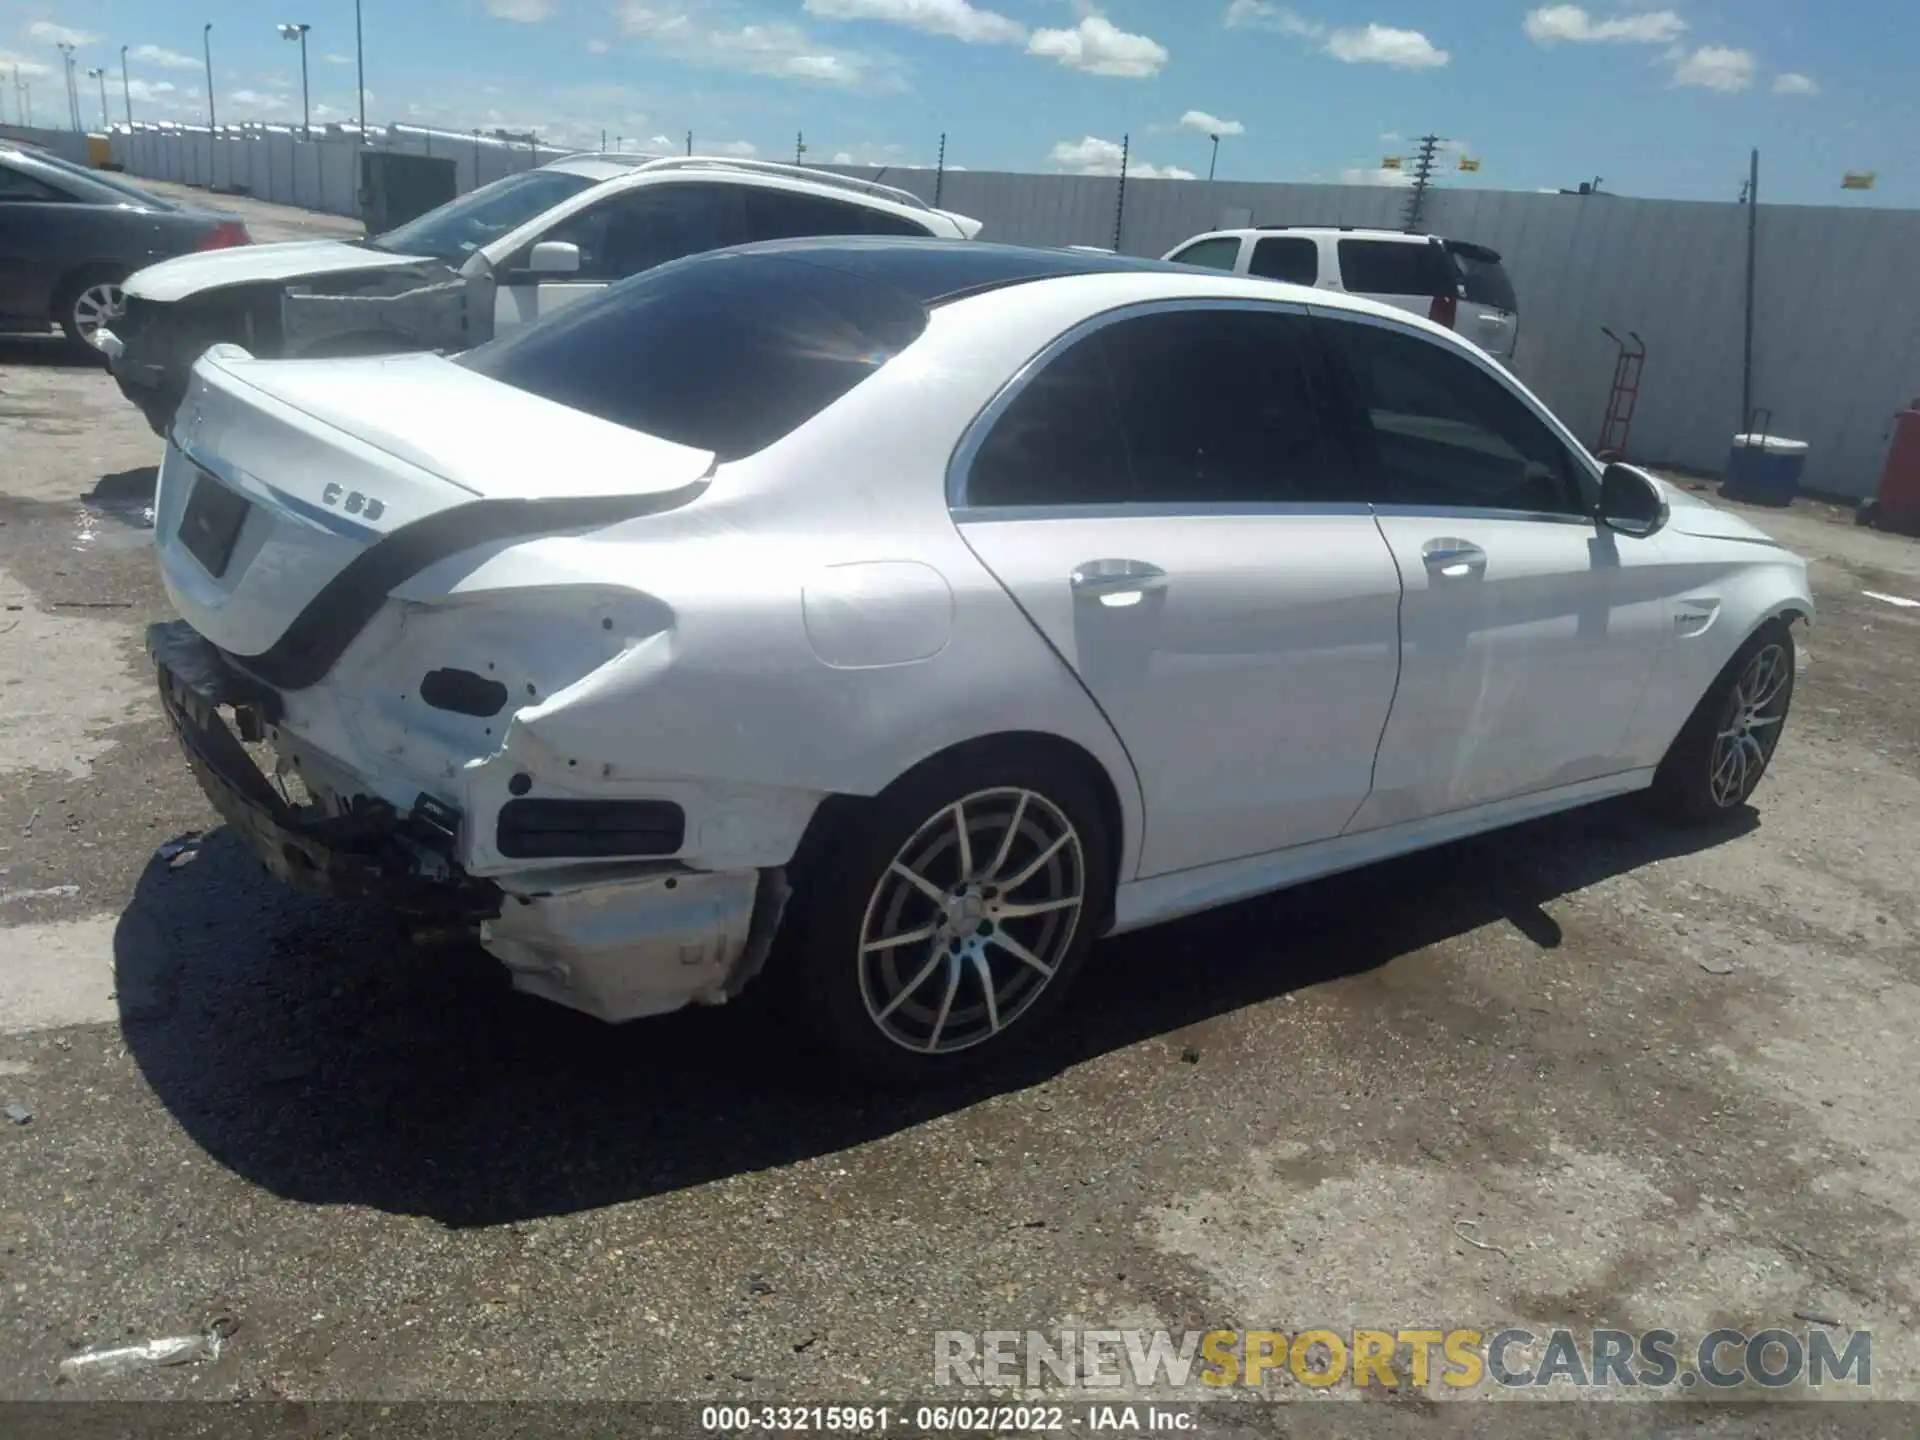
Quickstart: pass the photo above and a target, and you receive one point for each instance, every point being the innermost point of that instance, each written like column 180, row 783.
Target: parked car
column 1452, row 282
column 902, row 616
column 487, row 262
column 69, row 236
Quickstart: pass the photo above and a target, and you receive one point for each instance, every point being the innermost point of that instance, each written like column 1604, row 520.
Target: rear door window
column 726, row 353
column 1200, row 407
column 791, row 215
column 20, row 187
column 1222, row 252
column 1395, row 267
column 1295, row 258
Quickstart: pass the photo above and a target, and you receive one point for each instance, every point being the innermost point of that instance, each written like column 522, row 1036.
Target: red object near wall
column 1897, row 503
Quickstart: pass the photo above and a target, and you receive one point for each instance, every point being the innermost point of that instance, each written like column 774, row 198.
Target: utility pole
column 940, row 171
column 799, row 147
column 66, row 63
column 299, row 32
column 1214, row 163
column 1422, row 177
column 360, row 64
column 1753, row 239
column 689, row 142
column 99, row 72
column 1120, row 204
column 206, row 39
column 126, row 89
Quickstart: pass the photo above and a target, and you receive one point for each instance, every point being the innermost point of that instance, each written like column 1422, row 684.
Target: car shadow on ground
column 314, row 1050
column 49, row 349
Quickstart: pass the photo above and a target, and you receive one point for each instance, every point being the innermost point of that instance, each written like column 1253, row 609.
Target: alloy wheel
column 94, row 307
column 1749, row 726
column 970, row 921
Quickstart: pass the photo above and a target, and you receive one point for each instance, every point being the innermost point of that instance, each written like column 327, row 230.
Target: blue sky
column 1659, row 99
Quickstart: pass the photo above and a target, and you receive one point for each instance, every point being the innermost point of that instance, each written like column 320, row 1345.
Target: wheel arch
column 68, row 281
column 839, row 810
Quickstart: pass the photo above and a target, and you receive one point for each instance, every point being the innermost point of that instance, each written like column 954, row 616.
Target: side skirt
column 1140, row 903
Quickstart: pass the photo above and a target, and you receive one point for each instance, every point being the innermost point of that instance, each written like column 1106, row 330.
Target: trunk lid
column 187, row 275
column 282, row 474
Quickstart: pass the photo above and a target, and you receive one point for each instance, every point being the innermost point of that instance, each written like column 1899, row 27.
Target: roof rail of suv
column 1345, row 229
column 612, row 157
column 797, row 172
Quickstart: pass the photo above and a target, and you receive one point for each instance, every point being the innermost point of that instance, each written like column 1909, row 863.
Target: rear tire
column 1718, row 758
column 904, row 988
column 85, row 302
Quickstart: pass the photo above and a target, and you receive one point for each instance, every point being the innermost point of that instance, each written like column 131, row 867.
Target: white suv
column 1452, row 282
column 484, row 263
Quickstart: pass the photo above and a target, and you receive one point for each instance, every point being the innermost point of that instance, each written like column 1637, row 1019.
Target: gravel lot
column 1671, row 1077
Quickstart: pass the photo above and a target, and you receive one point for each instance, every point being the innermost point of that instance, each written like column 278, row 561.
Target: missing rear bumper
column 616, row 940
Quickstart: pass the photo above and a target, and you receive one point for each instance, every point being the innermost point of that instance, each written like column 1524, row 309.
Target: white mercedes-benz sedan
column 898, row 617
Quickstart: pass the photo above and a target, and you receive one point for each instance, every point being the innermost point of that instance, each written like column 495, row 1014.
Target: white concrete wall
column 1837, row 315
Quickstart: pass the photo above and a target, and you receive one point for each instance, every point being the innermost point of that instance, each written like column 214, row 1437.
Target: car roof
column 596, row 167
column 1348, row 232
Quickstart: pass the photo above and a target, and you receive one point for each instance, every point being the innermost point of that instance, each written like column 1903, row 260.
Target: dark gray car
column 69, row 236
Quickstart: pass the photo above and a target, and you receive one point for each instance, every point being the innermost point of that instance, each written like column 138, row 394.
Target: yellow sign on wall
column 1390, row 162
column 1469, row 162
column 1857, row 180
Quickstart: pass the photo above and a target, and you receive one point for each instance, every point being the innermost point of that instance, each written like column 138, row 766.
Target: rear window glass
column 1393, row 267
column 725, row 352
column 1484, row 276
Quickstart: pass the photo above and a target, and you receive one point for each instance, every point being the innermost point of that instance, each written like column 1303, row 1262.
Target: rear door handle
column 1096, row 578
column 1453, row 558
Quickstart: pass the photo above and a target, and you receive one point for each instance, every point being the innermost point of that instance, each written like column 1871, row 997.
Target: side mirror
column 554, row 257
column 1630, row 501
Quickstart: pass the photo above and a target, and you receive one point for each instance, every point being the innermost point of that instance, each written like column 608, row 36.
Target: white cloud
column 1388, row 137
column 960, row 19
column 1207, row 124
column 843, row 157
column 257, row 100
column 1383, row 45
column 1094, row 156
column 1374, row 175
column 733, row 149
column 151, row 91
column 1554, row 24
column 49, row 33
column 598, row 47
column 166, row 59
column 526, row 12
column 1790, row 83
column 696, row 32
column 333, row 58
column 1262, row 15
column 10, row 62
column 1097, row 46
column 1365, row 45
column 1716, row 67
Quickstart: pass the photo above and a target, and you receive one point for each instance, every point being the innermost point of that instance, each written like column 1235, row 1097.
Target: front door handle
column 1453, row 558
column 1099, row 578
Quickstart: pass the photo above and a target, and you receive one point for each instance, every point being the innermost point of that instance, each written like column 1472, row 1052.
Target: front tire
column 1717, row 760
column 942, row 923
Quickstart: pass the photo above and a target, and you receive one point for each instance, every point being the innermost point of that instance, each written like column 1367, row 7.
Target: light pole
column 299, row 32
column 99, row 72
column 66, row 61
column 206, row 39
column 126, row 89
column 360, row 61
column 1214, row 163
